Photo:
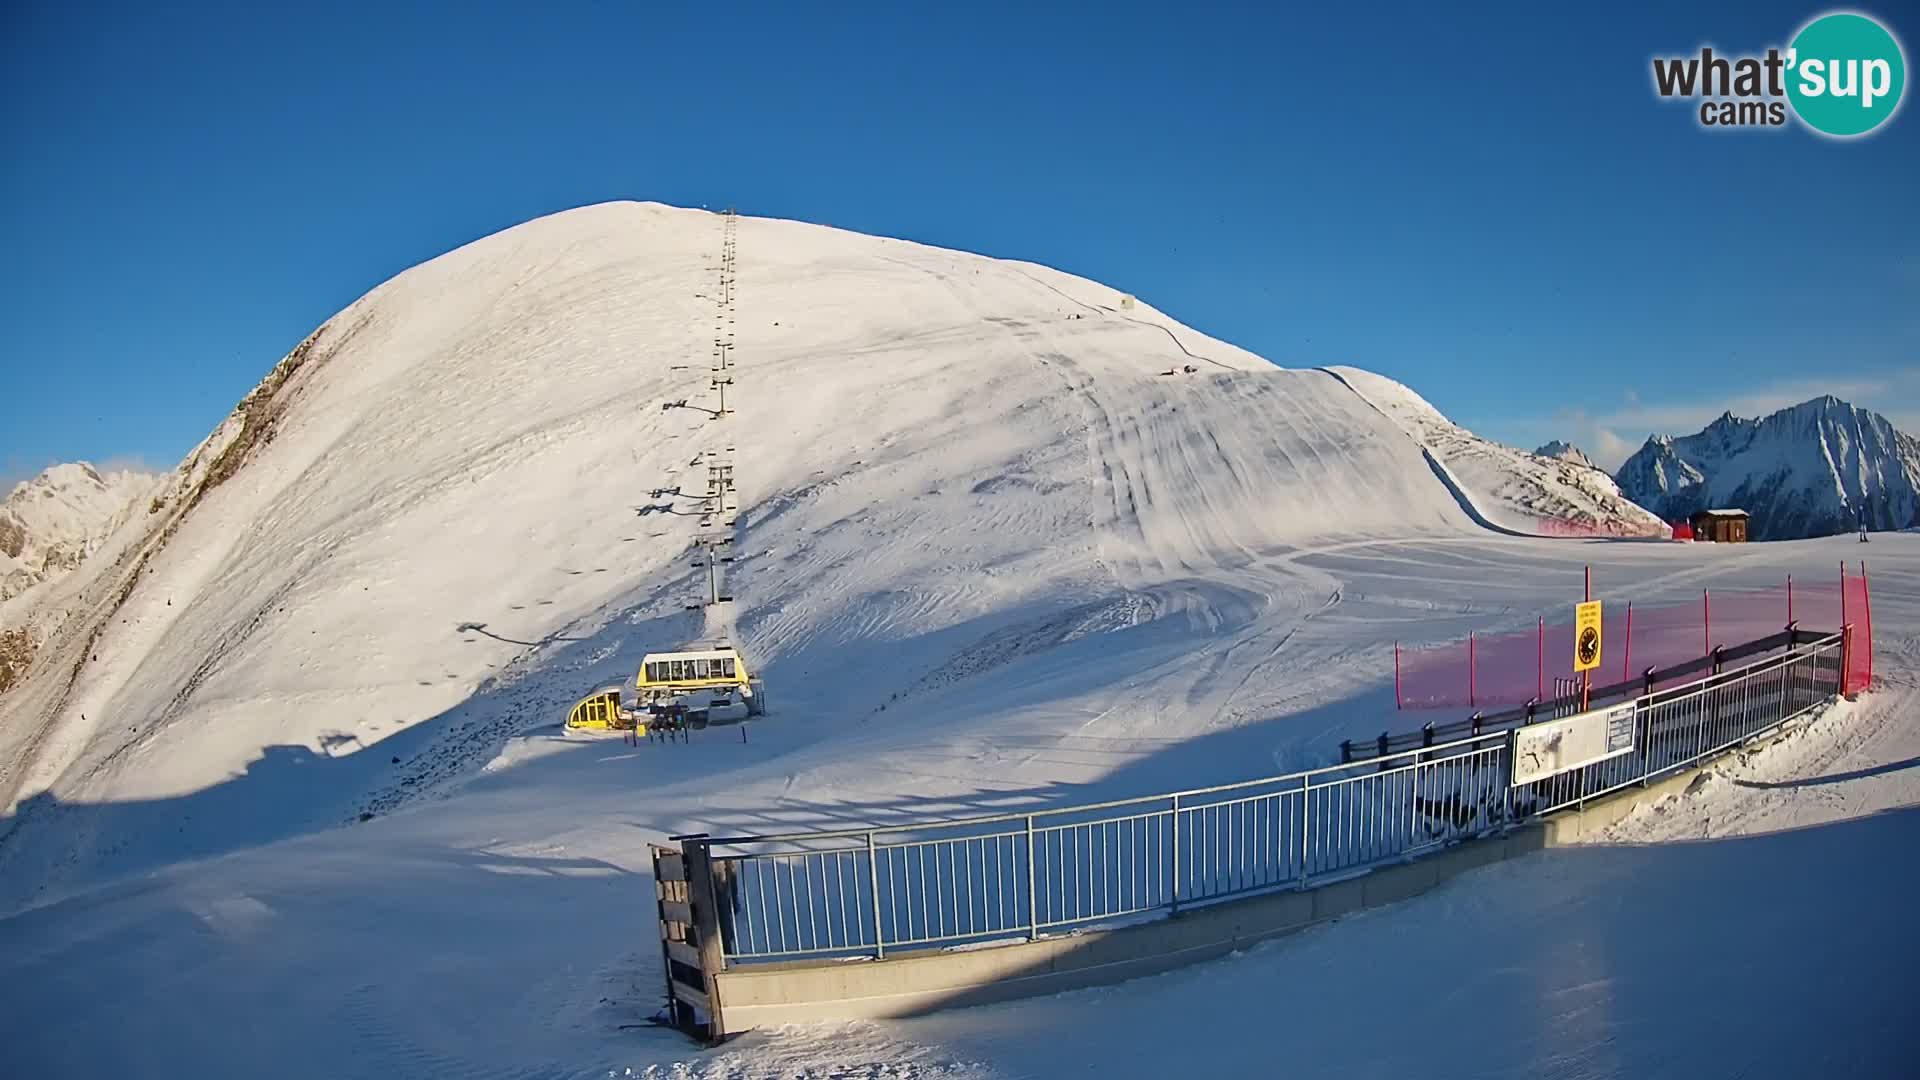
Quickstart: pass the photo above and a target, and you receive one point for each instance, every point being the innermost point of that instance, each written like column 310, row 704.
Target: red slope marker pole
column 1626, row 658
column 1540, row 686
column 1866, row 601
column 1396, row 675
column 1706, row 621
column 1586, row 677
column 1846, row 639
column 1472, row 689
column 1789, row 599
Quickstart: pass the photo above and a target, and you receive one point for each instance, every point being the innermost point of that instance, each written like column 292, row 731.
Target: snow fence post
column 1706, row 619
column 1396, row 676
column 873, row 879
column 1540, row 680
column 1626, row 659
column 1846, row 660
column 1846, row 639
column 1471, row 687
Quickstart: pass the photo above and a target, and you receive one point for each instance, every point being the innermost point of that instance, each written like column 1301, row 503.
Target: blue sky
column 1485, row 202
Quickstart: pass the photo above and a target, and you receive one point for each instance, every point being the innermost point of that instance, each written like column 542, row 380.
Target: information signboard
column 1552, row 747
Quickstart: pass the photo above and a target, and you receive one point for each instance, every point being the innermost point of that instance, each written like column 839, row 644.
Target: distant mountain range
column 1813, row 469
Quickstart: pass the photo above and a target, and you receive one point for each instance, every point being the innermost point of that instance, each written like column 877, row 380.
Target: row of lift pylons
column 708, row 680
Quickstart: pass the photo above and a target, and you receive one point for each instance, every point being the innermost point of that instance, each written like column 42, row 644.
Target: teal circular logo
column 1845, row 74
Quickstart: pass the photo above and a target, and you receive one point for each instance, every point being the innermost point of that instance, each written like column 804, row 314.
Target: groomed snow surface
column 992, row 558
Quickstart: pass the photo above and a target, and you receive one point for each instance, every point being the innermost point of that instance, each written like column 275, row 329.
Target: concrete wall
column 920, row 982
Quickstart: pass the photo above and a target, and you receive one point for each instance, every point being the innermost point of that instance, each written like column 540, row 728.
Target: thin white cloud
column 128, row 463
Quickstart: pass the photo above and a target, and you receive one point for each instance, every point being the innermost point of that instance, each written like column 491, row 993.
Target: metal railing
column 841, row 894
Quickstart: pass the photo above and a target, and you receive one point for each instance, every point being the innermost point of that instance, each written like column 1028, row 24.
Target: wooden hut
column 1721, row 526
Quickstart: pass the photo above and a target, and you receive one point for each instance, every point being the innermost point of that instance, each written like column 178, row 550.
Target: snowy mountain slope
column 1562, row 451
column 991, row 558
column 1808, row 470
column 51, row 523
column 469, row 469
column 1510, row 489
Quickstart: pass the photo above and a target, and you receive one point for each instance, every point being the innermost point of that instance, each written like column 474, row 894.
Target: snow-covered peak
column 1563, row 451
column 51, row 523
column 1810, row 469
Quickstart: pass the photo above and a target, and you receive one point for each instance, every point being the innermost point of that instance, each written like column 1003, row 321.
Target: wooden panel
column 674, row 911
column 684, row 953
column 691, row 996
column 701, row 875
column 670, row 868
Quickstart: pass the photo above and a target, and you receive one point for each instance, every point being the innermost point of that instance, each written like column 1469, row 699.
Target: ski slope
column 1502, row 488
column 491, row 934
column 991, row 558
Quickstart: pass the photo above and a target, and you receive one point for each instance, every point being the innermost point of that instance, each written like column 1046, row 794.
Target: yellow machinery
column 603, row 712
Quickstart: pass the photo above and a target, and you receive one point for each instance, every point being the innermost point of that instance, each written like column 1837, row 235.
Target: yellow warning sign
column 1586, row 636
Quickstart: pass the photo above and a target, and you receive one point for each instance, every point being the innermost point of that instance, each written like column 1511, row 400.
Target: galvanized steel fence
column 842, row 894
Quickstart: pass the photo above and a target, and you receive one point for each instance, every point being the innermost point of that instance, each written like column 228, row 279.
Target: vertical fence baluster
column 873, row 879
column 1306, row 816
column 1173, row 873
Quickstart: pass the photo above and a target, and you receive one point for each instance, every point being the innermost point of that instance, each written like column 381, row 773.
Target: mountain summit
column 49, row 524
column 1564, row 451
column 1812, row 469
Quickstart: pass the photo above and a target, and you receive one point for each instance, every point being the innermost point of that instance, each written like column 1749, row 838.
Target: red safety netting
column 1859, row 664
column 1514, row 668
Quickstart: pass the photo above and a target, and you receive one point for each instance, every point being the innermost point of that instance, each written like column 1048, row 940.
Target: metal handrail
column 1372, row 765
column 969, row 881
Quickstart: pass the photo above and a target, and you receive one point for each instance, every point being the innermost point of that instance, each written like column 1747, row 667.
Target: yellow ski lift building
column 669, row 676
